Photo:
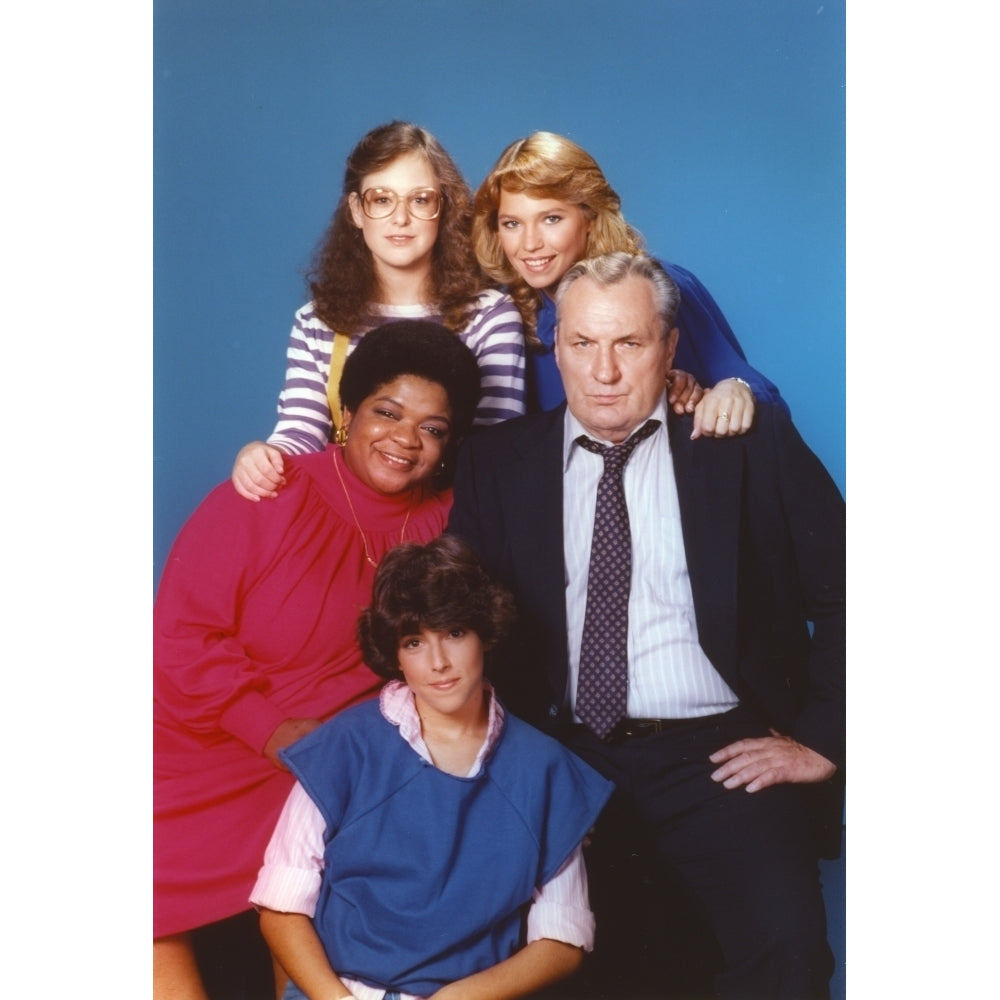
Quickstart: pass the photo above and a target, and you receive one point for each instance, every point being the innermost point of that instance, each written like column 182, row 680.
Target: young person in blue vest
column 424, row 824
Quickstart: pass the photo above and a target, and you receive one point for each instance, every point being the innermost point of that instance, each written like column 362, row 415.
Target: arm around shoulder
column 259, row 471
column 496, row 337
column 304, row 420
column 708, row 347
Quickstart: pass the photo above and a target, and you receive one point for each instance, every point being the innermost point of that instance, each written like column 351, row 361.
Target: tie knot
column 615, row 456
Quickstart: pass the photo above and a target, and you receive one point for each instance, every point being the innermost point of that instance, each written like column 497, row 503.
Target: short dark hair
column 436, row 586
column 415, row 347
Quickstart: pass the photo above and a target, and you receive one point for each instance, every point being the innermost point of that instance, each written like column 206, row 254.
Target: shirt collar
column 398, row 707
column 572, row 429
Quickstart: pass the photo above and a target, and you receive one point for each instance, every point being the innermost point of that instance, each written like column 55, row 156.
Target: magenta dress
column 254, row 624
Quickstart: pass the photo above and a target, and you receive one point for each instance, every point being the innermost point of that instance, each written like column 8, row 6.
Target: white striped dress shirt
column 669, row 675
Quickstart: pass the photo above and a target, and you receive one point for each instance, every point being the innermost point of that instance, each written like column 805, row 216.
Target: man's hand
column 258, row 471
column 769, row 760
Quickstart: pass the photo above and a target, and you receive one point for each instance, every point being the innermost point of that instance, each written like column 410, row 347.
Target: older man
column 682, row 617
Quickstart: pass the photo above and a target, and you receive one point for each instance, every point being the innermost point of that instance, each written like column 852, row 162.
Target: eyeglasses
column 421, row 203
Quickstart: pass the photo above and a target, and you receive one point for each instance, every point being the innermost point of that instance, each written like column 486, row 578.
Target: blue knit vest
column 427, row 875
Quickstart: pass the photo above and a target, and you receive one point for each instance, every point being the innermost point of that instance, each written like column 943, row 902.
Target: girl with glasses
column 398, row 247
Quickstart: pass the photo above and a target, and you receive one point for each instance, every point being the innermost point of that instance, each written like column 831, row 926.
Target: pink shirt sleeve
column 560, row 909
column 289, row 880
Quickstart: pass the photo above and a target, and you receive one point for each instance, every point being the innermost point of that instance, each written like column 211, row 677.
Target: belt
column 631, row 728
column 628, row 729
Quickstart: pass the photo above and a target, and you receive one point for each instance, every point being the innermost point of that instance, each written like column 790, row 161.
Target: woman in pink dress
column 254, row 622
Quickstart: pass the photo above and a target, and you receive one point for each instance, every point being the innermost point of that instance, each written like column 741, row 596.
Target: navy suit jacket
column 764, row 535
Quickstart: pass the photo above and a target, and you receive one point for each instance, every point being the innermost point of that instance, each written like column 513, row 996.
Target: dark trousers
column 748, row 861
column 233, row 959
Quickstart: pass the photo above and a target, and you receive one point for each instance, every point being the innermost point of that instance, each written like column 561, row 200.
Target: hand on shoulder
column 683, row 391
column 258, row 471
column 726, row 410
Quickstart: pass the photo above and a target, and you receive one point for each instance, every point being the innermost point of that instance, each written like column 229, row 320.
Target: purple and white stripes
column 494, row 336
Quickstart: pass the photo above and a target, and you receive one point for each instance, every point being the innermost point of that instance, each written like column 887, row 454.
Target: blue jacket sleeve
column 708, row 348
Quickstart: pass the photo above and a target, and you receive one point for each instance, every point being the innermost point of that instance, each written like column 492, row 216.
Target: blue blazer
column 763, row 527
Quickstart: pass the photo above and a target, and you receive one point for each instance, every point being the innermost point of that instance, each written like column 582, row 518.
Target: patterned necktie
column 602, row 686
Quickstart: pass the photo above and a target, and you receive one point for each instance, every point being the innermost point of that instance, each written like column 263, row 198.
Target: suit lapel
column 532, row 500
column 709, row 476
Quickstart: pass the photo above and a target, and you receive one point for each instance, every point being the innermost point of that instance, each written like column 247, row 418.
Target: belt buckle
column 637, row 728
column 642, row 727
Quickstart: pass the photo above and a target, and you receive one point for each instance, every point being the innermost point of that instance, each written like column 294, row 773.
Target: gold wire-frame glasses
column 421, row 203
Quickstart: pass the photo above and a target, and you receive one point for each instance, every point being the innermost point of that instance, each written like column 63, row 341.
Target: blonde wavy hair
column 546, row 165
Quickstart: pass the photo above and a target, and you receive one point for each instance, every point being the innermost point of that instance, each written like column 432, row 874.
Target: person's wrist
column 742, row 381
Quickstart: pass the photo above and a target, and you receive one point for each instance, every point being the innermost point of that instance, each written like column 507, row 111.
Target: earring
column 341, row 436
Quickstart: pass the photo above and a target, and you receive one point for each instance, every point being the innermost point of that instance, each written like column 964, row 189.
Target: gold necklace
column 364, row 541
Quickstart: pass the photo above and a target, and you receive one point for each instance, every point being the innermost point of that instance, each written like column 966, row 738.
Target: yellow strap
column 337, row 357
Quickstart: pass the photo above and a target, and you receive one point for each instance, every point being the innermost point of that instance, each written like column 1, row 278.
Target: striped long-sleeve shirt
column 494, row 335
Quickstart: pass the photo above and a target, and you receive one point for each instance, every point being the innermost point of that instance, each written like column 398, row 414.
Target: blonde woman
column 545, row 205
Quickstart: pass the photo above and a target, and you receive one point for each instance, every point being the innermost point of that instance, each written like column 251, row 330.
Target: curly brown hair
column 342, row 279
column 546, row 165
column 440, row 585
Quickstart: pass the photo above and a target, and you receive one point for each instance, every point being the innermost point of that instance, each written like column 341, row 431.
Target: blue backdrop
column 719, row 122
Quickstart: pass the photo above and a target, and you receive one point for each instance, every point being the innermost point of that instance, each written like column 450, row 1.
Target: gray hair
column 611, row 268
